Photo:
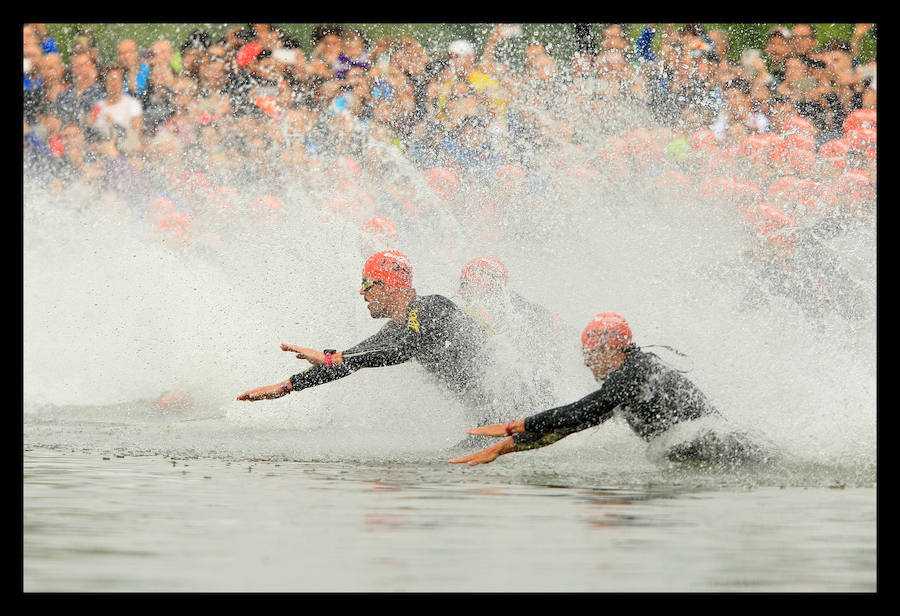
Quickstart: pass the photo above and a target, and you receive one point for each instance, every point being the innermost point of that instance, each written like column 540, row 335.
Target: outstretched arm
column 267, row 392
column 544, row 428
column 491, row 453
column 389, row 346
column 487, row 455
column 326, row 367
column 520, row 441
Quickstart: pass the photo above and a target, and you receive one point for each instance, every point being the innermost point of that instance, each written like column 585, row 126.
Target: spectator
column 213, row 103
column 183, row 122
column 47, row 42
column 53, row 82
column 85, row 43
column 721, row 45
column 613, row 38
column 76, row 102
column 847, row 84
column 326, row 47
column 158, row 105
column 137, row 73
column 32, row 79
column 36, row 34
column 803, row 40
column 79, row 162
column 696, row 87
column 778, row 50
column 118, row 112
column 192, row 52
column 267, row 35
column 43, row 143
column 739, row 116
column 163, row 63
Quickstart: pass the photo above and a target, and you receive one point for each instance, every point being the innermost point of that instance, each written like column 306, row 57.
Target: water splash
column 115, row 314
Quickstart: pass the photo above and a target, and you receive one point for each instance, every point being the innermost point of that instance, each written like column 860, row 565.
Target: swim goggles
column 368, row 283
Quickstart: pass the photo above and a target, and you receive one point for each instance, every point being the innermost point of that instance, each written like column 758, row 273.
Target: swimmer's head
column 482, row 276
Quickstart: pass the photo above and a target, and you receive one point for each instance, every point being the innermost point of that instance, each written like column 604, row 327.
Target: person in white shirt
column 118, row 108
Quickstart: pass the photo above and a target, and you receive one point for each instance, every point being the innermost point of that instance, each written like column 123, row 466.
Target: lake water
column 589, row 516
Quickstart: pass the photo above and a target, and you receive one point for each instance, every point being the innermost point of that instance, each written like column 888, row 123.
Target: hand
column 267, row 392
column 485, row 456
column 516, row 426
column 311, row 355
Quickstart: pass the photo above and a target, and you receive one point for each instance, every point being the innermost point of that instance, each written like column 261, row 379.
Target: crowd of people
column 784, row 137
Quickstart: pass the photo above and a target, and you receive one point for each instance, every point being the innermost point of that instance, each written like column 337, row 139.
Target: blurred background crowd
column 360, row 119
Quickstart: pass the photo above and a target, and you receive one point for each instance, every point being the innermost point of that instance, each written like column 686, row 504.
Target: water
column 346, row 487
column 111, row 523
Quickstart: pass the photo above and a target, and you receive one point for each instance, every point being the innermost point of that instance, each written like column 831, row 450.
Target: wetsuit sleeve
column 318, row 375
column 549, row 426
column 385, row 348
column 393, row 344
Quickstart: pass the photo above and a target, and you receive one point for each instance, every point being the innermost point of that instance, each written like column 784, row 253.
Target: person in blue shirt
column 137, row 73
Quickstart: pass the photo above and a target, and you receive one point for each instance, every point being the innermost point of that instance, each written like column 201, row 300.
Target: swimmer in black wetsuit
column 514, row 324
column 784, row 260
column 651, row 396
column 430, row 329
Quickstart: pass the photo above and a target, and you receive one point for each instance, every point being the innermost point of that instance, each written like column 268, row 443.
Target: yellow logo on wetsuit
column 412, row 320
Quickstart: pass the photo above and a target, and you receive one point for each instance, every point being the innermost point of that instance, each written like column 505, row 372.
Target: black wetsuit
column 442, row 338
column 520, row 325
column 652, row 397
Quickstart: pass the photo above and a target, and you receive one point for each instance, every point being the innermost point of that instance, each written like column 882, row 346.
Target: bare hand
column 313, row 356
column 267, row 392
column 485, row 456
column 516, row 426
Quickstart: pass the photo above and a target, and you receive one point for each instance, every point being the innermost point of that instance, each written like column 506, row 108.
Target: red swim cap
column 861, row 118
column 380, row 225
column 607, row 328
column 799, row 125
column 852, row 181
column 247, row 53
column 861, row 138
column 160, row 207
column 773, row 224
column 783, row 188
column 835, row 152
column 346, row 169
column 265, row 207
column 800, row 141
column 390, row 267
column 443, row 181
column 487, row 272
column 703, row 140
column 755, row 147
column 802, row 161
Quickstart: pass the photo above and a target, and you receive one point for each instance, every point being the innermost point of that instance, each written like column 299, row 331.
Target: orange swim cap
column 773, row 224
column 443, row 181
column 606, row 328
column 380, row 225
column 861, row 118
column 487, row 272
column 390, row 267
